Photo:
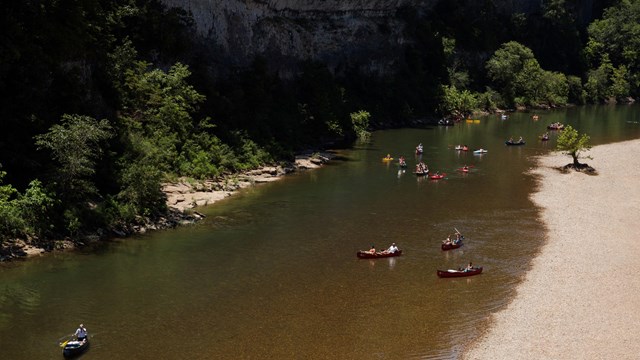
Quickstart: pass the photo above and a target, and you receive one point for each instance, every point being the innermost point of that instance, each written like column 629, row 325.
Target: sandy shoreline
column 581, row 299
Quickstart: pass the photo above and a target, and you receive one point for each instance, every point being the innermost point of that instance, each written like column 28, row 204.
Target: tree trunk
column 576, row 163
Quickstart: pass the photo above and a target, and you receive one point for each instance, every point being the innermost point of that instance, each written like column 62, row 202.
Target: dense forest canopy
column 105, row 100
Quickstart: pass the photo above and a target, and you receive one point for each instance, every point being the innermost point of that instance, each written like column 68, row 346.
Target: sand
column 581, row 299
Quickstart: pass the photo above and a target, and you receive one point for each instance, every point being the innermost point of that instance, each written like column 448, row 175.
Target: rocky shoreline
column 182, row 197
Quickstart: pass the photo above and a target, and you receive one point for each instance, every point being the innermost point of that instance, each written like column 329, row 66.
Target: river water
column 272, row 272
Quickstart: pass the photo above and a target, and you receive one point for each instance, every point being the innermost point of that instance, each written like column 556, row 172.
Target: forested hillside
column 104, row 100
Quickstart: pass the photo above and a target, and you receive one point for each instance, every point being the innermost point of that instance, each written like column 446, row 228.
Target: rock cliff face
column 365, row 34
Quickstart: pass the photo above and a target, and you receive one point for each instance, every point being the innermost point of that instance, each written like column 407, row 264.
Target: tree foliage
column 573, row 143
column 514, row 70
column 360, row 120
column 614, row 45
column 457, row 103
column 75, row 145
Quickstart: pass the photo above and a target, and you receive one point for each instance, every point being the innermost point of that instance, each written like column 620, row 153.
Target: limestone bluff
column 366, row 35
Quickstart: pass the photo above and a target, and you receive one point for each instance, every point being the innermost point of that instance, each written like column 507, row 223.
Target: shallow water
column 272, row 272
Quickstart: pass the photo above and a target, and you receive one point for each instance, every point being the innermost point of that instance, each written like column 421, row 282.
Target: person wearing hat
column 81, row 333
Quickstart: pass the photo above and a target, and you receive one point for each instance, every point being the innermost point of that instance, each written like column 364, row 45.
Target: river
column 271, row 273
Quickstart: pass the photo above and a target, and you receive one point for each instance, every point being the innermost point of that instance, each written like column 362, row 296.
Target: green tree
column 11, row 223
column 616, row 39
column 360, row 120
column 35, row 207
column 512, row 68
column 598, row 86
column 157, row 112
column 75, row 145
column 24, row 214
column 457, row 103
column 573, row 144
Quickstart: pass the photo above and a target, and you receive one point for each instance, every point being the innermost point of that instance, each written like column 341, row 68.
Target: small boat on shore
column 367, row 255
column 459, row 273
column 74, row 348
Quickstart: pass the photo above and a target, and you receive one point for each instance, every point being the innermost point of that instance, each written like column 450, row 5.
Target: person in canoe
column 520, row 140
column 387, row 158
column 469, row 267
column 465, row 168
column 422, row 168
column 402, row 162
column 391, row 250
column 457, row 239
column 447, row 241
column 372, row 250
column 81, row 333
column 419, row 149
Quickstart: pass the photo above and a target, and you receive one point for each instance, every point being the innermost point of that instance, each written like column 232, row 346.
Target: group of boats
column 423, row 170
column 447, row 245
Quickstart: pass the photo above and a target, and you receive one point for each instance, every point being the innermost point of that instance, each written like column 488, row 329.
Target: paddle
column 63, row 344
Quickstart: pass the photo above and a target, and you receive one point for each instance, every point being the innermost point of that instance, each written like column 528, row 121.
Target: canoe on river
column 459, row 273
column 74, row 348
column 367, row 255
column 514, row 143
column 437, row 176
column 451, row 246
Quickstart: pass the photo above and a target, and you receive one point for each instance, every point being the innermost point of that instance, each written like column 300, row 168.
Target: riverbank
column 579, row 300
column 182, row 197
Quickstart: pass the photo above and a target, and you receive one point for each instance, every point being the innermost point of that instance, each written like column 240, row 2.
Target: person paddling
column 81, row 333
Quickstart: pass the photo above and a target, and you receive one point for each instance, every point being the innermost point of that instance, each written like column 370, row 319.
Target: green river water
column 272, row 272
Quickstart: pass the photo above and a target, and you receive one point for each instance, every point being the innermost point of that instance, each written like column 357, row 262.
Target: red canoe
column 367, row 255
column 459, row 273
column 451, row 246
column 437, row 176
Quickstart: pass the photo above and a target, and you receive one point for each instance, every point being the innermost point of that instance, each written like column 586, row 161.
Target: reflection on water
column 272, row 272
